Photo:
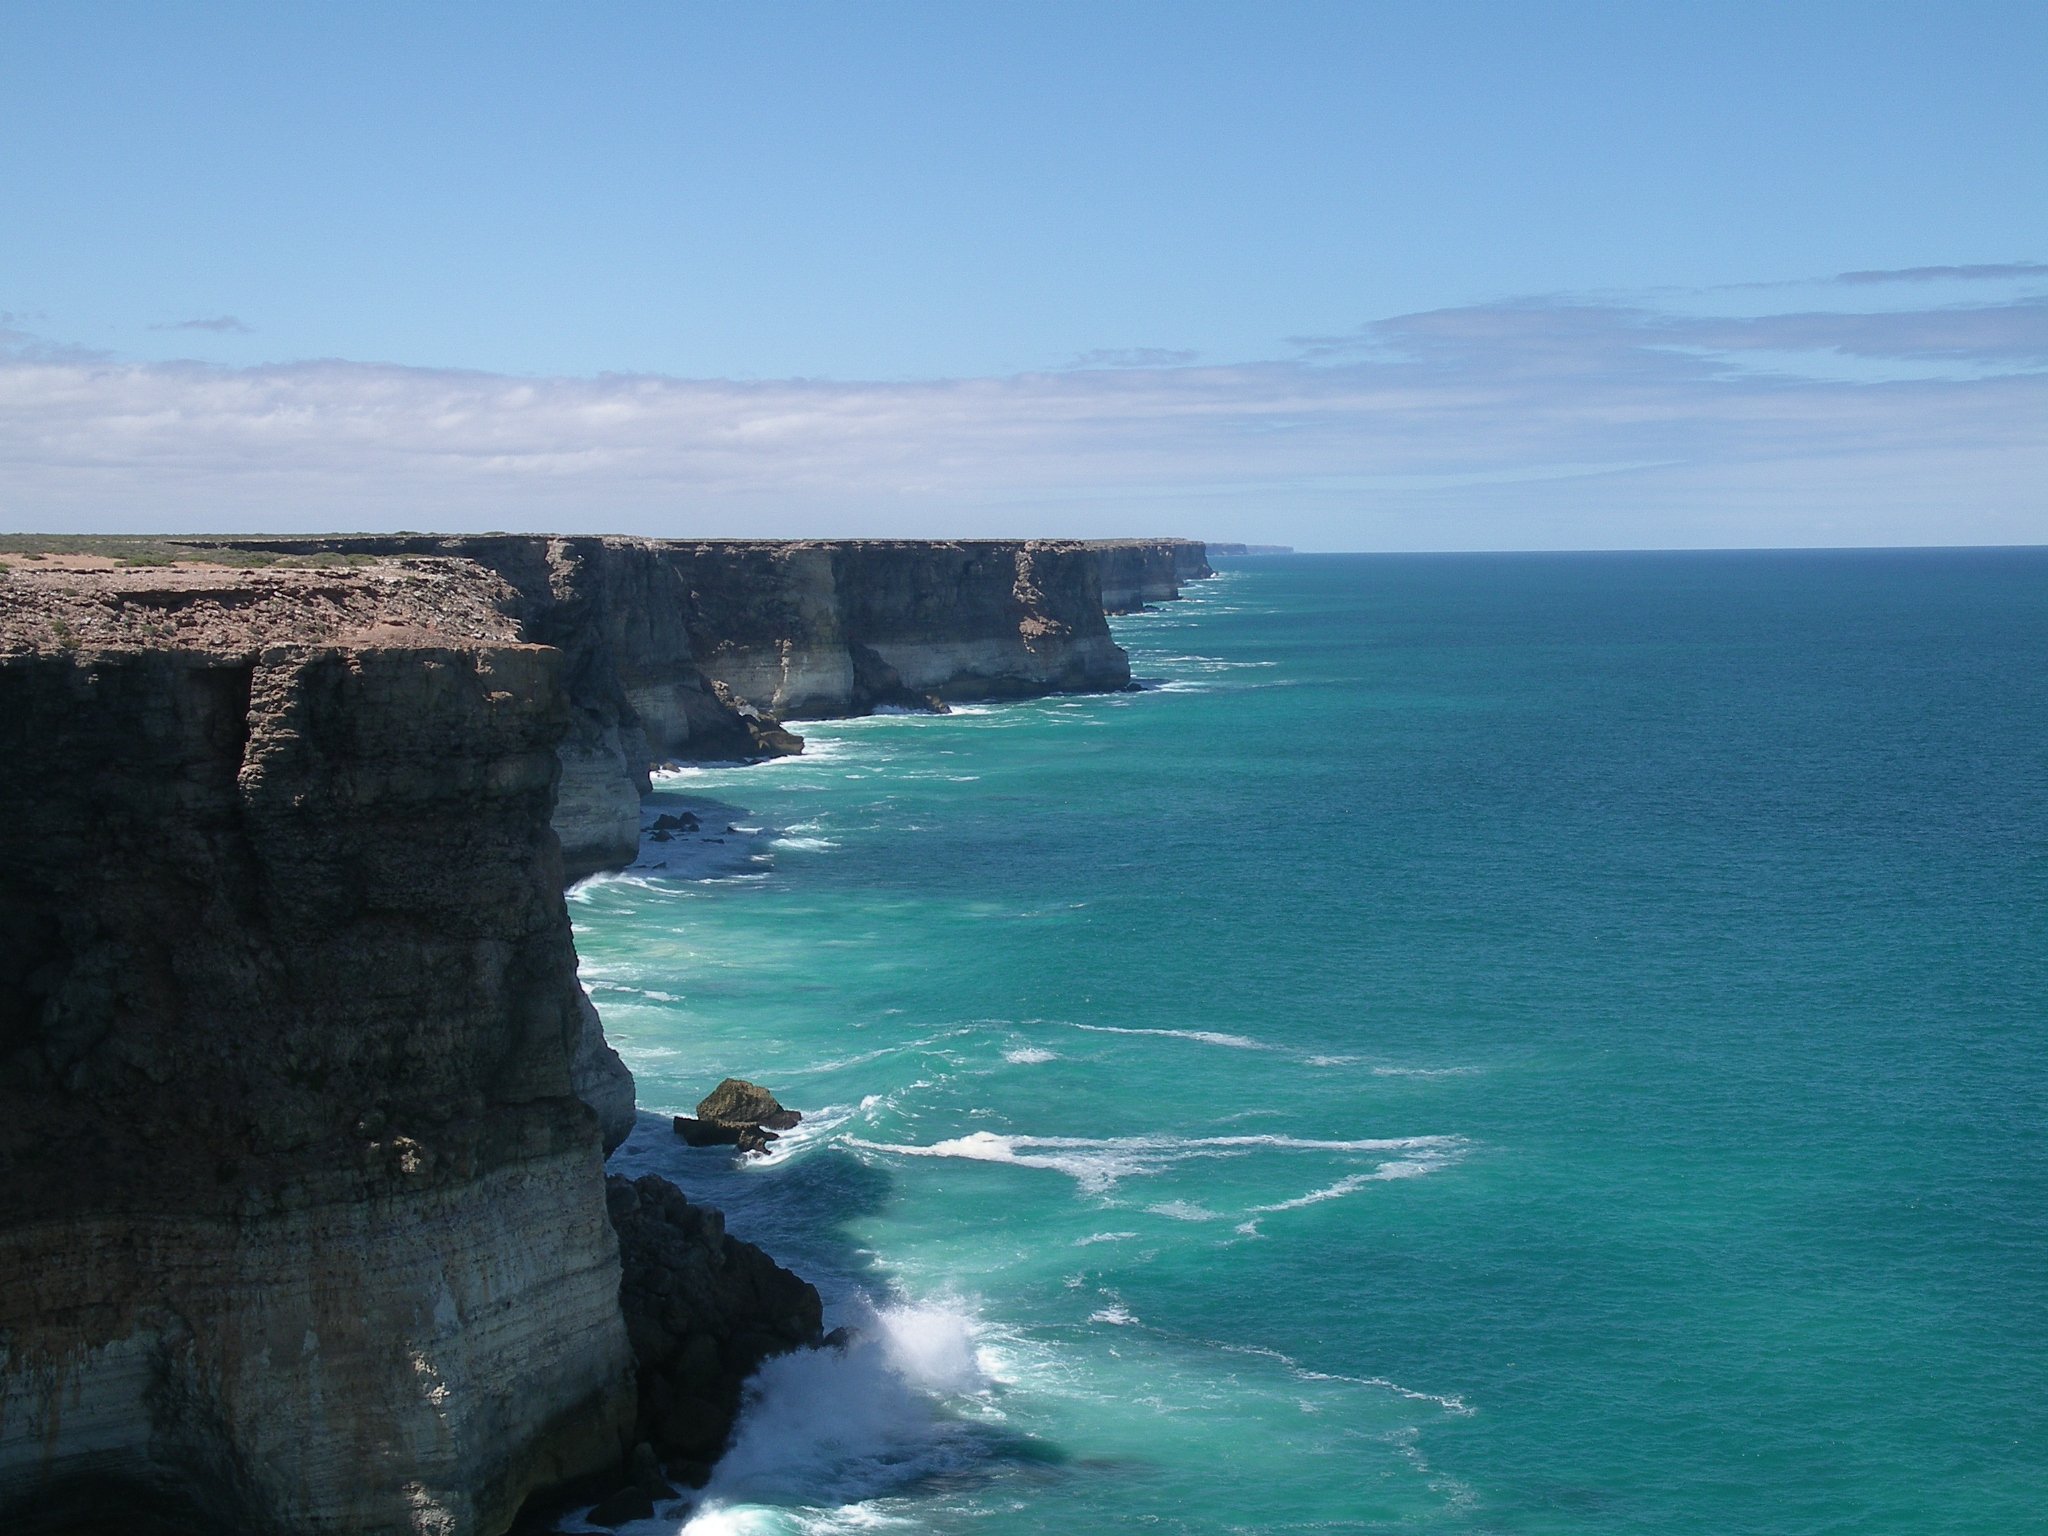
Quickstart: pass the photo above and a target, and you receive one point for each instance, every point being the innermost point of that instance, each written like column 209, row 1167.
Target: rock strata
column 301, row 1220
column 702, row 1310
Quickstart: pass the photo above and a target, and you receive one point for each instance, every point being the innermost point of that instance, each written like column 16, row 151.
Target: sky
column 1343, row 276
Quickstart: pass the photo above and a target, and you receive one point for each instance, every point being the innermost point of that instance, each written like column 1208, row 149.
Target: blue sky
column 1345, row 276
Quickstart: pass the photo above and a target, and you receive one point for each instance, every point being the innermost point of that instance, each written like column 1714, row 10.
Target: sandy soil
column 91, row 602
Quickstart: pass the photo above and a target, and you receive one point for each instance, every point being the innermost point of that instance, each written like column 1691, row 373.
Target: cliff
column 302, row 1228
column 697, row 650
column 303, row 1222
column 813, row 630
column 1136, row 573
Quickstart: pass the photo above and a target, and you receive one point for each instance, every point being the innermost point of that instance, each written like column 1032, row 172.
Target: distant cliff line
column 699, row 650
column 303, row 1219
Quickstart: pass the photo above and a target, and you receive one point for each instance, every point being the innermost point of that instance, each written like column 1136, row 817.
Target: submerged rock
column 628, row 1504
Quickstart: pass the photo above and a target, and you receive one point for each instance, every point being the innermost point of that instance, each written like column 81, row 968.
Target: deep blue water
column 1486, row 1044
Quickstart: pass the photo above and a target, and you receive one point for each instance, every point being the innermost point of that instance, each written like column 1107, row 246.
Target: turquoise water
column 1484, row 1044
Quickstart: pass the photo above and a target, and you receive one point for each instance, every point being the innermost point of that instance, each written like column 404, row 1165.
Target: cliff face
column 696, row 650
column 1190, row 559
column 302, row 1228
column 303, row 1225
column 1139, row 572
column 812, row 630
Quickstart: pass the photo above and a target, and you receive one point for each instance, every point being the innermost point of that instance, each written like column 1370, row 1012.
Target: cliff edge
column 698, row 650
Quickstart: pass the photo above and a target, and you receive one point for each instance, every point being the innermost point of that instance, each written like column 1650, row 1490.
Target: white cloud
column 1134, row 357
column 226, row 325
column 1530, row 424
column 1992, row 271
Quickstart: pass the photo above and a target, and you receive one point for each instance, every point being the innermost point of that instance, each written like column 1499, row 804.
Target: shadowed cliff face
column 301, row 1226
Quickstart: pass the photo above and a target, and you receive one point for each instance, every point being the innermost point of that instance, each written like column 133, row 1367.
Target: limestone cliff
column 812, row 630
column 302, row 1228
column 697, row 649
column 1136, row 573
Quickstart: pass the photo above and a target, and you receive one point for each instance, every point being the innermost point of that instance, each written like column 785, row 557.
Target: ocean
column 1507, row 1043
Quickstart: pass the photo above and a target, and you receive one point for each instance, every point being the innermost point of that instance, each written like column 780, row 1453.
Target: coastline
column 289, row 712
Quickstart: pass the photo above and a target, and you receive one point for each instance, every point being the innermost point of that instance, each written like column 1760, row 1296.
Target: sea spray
column 905, row 1398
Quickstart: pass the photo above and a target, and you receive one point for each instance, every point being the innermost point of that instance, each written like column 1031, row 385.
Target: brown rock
column 739, row 1102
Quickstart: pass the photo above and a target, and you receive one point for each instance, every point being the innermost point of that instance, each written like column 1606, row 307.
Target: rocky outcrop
column 1136, row 573
column 302, row 1226
column 702, row 1309
column 737, row 1113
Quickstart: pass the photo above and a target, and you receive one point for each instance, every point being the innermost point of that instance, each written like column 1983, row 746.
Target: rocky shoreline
column 305, row 1226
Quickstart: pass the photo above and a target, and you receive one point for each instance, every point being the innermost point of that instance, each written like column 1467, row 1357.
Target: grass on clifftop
column 144, row 550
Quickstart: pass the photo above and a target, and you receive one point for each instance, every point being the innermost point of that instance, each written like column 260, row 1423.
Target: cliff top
column 148, row 595
column 240, row 594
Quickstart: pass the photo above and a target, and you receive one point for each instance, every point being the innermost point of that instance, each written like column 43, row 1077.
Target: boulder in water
column 701, row 1133
column 737, row 1102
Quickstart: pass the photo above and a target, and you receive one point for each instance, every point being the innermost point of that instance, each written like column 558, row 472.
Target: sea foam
column 1202, row 1036
column 1098, row 1164
column 903, row 1402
